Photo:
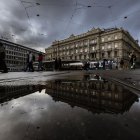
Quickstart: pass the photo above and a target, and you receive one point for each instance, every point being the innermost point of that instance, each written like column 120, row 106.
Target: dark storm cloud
column 53, row 19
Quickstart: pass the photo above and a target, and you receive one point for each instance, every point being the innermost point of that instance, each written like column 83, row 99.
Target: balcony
column 85, row 45
column 93, row 51
column 92, row 43
column 55, row 51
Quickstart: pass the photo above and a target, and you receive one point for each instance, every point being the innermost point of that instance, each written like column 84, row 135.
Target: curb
column 119, row 81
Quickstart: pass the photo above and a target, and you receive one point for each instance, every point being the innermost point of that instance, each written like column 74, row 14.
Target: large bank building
column 111, row 44
column 16, row 55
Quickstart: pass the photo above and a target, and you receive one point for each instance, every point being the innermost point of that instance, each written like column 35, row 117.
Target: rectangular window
column 71, row 52
column 116, row 36
column 84, row 56
column 115, row 53
column 81, row 50
column 79, row 57
column 103, row 47
column 80, row 44
column 116, row 45
column 76, row 45
column 75, row 57
column 102, row 39
column 76, row 51
column 60, row 54
column 71, row 46
column 95, row 40
column 109, row 46
column 67, row 53
column 108, row 54
column 85, row 43
column 93, row 55
column 85, row 50
column 67, row 47
column 93, row 48
column 102, row 55
column 109, row 38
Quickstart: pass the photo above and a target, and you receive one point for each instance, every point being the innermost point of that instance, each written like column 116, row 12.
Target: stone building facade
column 96, row 45
column 16, row 55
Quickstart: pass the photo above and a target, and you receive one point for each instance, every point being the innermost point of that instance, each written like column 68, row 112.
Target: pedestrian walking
column 85, row 65
column 88, row 66
column 27, row 63
column 116, row 65
column 104, row 65
column 110, row 65
column 2, row 59
column 133, row 59
column 59, row 63
column 40, row 59
column 97, row 66
column 56, row 68
column 121, row 63
column 31, row 61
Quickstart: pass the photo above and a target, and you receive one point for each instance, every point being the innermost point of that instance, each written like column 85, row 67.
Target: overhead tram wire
column 50, row 17
column 70, row 20
column 82, row 25
column 28, row 15
column 112, row 16
column 66, row 21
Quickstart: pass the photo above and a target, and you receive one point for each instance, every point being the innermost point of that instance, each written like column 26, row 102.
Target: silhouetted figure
column 56, row 64
column 121, row 63
column 31, row 61
column 97, row 66
column 2, row 59
column 59, row 63
column 104, row 65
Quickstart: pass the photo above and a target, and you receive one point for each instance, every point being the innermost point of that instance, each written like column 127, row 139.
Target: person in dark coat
column 2, row 59
column 104, row 65
column 56, row 63
column 97, row 66
column 59, row 66
column 121, row 63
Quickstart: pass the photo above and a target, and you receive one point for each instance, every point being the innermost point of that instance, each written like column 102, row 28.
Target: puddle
column 86, row 108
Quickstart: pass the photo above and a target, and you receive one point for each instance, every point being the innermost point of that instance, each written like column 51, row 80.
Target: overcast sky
column 52, row 22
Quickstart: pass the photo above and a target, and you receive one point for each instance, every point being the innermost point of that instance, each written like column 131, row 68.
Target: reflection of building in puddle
column 95, row 96
column 13, row 92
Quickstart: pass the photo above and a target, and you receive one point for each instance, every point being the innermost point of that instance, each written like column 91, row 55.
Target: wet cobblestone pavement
column 84, row 107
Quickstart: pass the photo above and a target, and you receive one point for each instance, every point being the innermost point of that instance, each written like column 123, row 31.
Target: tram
column 94, row 64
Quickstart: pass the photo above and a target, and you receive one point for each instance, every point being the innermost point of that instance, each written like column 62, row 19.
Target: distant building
column 96, row 45
column 16, row 55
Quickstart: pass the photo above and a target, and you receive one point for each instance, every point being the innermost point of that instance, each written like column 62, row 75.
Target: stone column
column 98, row 54
column 74, row 50
column 112, row 52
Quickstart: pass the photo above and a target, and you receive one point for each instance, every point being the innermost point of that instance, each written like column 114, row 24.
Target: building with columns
column 96, row 45
column 16, row 55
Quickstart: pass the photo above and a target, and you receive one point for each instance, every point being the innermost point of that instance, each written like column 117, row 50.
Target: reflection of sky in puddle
column 69, row 110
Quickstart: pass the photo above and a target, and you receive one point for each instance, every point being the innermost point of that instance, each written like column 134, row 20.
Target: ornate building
column 97, row 96
column 96, row 45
